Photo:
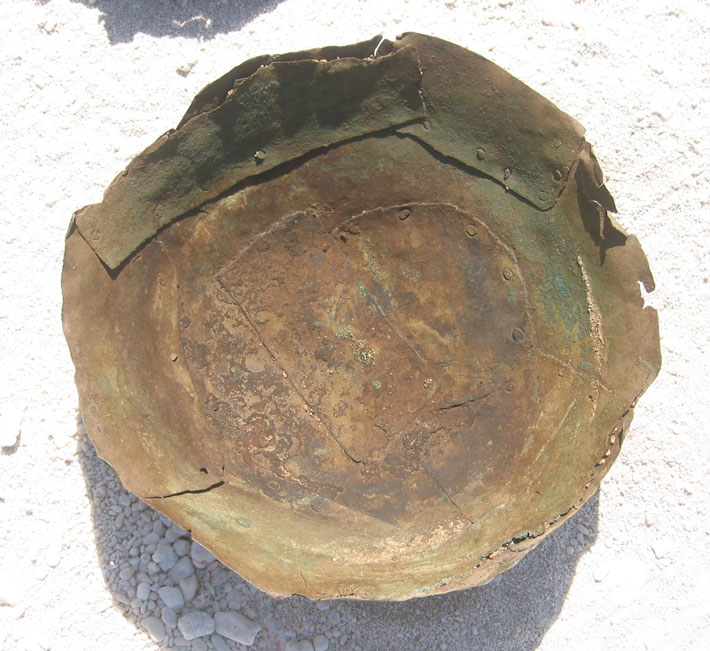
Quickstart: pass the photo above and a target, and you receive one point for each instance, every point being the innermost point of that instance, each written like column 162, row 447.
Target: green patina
column 346, row 332
column 362, row 351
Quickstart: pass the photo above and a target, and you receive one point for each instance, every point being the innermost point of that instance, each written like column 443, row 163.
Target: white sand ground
column 88, row 84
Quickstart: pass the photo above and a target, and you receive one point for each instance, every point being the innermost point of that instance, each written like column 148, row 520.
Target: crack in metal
column 193, row 491
column 469, row 401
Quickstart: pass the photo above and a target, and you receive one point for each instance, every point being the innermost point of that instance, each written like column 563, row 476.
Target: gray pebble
column 172, row 597
column 181, row 546
column 201, row 557
column 189, row 586
column 236, row 627
column 235, row 598
column 151, row 539
column 142, row 591
column 196, row 624
column 171, row 536
column 199, row 645
column 182, row 569
column 320, row 643
column 218, row 643
column 169, row 617
column 126, row 573
column 155, row 628
column 165, row 557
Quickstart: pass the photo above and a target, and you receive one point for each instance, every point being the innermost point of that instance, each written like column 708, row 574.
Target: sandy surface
column 88, row 84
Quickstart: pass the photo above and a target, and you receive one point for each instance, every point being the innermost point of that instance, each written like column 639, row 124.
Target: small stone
column 189, row 587
column 165, row 556
column 301, row 645
column 218, row 643
column 199, row 645
column 196, row 624
column 153, row 568
column 169, row 617
column 122, row 598
column 235, row 598
column 201, row 557
column 181, row 546
column 320, row 643
column 171, row 536
column 236, row 627
column 142, row 591
column 155, row 628
column 569, row 549
column 171, row 596
column 151, row 539
column 323, row 605
column 126, row 573
column 182, row 569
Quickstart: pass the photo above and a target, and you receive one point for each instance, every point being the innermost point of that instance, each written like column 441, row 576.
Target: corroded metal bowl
column 363, row 322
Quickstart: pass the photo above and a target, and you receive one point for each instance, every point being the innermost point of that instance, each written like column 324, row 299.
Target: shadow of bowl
column 123, row 19
column 514, row 611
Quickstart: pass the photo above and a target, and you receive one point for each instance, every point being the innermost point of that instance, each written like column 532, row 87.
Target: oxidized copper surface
column 363, row 323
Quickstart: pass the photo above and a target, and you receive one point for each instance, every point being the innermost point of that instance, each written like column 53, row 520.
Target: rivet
column 95, row 235
column 471, row 230
column 518, row 335
column 509, row 388
column 557, row 175
column 427, row 125
column 273, row 485
column 506, row 174
column 507, row 274
column 259, row 157
column 403, row 214
column 557, row 143
column 542, row 195
column 480, row 153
